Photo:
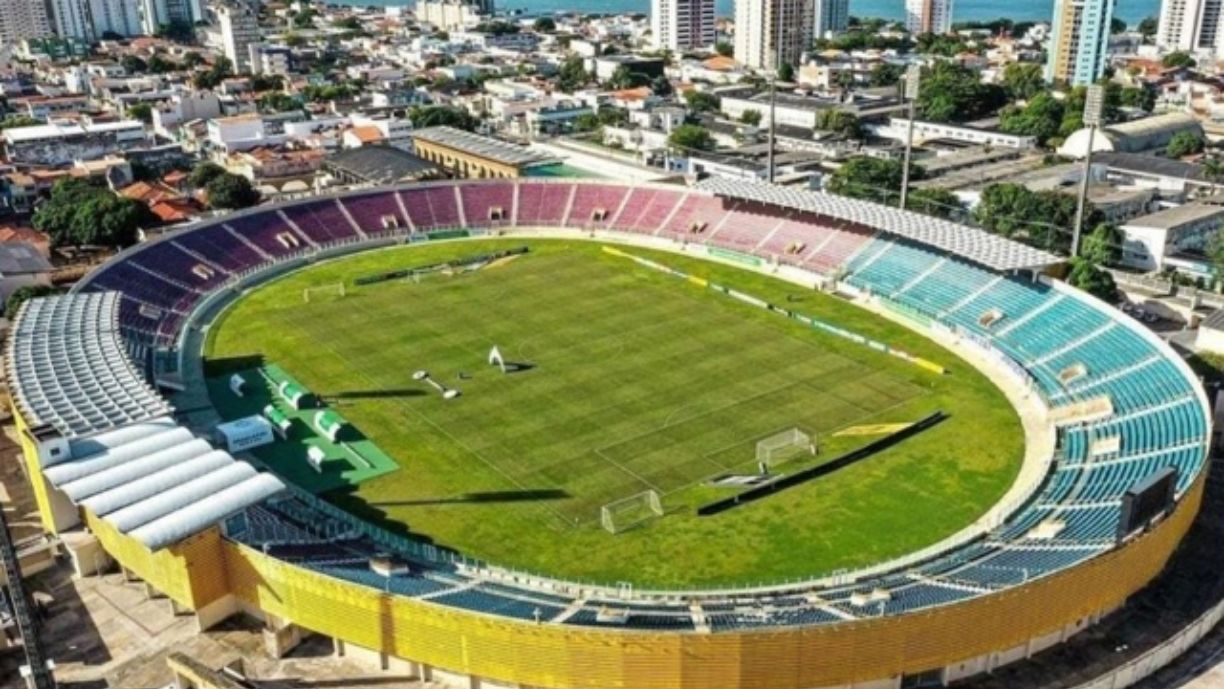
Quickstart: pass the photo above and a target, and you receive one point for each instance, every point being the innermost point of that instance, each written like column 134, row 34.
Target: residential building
column 1079, row 41
column 1191, row 25
column 119, row 17
column 154, row 14
column 768, row 29
column 22, row 19
column 60, row 144
column 22, row 265
column 72, row 19
column 680, row 25
column 1149, row 240
column 239, row 31
column 448, row 14
column 928, row 16
column 270, row 59
column 830, row 17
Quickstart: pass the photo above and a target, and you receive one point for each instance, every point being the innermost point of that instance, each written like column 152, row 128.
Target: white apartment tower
column 1191, row 25
column 760, row 23
column 928, row 16
column 679, row 25
column 239, row 30
column 831, row 17
column 21, row 19
column 120, row 17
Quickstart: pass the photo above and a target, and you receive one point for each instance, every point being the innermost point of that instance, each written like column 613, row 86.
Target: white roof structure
column 973, row 244
column 128, row 461
column 68, row 369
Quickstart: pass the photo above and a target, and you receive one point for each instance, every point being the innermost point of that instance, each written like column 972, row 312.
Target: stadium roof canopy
column 482, row 146
column 973, row 244
column 67, row 367
column 127, row 460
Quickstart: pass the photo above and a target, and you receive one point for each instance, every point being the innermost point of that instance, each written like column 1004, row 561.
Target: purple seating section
column 322, row 221
column 543, row 204
column 369, row 210
column 590, row 199
column 164, row 281
column 481, row 201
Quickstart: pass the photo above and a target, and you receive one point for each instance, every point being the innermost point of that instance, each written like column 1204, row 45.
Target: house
column 21, row 265
column 26, row 235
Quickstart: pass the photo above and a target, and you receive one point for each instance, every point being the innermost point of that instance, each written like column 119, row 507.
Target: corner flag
column 495, row 359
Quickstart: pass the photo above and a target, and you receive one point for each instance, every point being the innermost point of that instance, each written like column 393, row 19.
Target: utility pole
column 913, row 75
column 776, row 13
column 1093, row 107
column 37, row 670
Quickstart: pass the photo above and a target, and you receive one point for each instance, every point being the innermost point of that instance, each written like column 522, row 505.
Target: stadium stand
column 965, row 281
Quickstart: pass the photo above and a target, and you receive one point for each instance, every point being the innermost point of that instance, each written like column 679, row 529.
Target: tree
column 1148, row 27
column 1183, row 144
column 192, row 59
column 142, row 112
column 133, row 64
column 624, row 78
column 231, row 191
column 725, row 49
column 572, row 75
column 304, row 19
column 702, row 101
column 691, row 137
column 786, row 72
column 278, row 102
column 876, row 179
column 13, row 121
column 1041, row 118
column 952, row 93
column 204, row 173
column 1103, row 246
column 661, row 86
column 1215, row 254
column 23, row 294
column 940, row 203
column 1040, row 218
column 839, row 122
column 79, row 213
column 221, row 70
column 1140, row 97
column 1213, row 169
column 442, row 116
column 1023, row 80
column 751, row 117
column 884, row 74
column 160, row 65
column 349, row 23
column 545, row 25
column 179, row 31
column 1178, row 58
column 586, row 122
column 1117, row 26
column 1089, row 277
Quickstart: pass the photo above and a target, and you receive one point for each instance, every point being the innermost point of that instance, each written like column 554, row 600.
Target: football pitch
column 622, row 380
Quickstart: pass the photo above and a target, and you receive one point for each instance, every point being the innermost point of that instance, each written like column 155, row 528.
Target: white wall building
column 71, row 18
column 759, row 23
column 121, row 17
column 928, row 16
column 239, row 30
column 680, row 25
column 1191, row 25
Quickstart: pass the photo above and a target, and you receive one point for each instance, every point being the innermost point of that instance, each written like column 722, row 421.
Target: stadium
column 809, row 441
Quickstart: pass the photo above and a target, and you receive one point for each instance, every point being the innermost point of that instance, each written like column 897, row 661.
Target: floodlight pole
column 773, row 90
column 1093, row 105
column 913, row 75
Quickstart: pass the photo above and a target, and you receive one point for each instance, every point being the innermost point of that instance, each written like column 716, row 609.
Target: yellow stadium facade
column 216, row 578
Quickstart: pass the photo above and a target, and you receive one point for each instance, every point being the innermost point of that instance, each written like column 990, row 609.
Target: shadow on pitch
column 519, row 366
column 375, row 394
column 486, row 497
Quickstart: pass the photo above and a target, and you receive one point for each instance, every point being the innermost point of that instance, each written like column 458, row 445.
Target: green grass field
column 634, row 380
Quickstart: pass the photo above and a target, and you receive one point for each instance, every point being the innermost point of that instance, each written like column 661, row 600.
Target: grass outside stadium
column 630, row 380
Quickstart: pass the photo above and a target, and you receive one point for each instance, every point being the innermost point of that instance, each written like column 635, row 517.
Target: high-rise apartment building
column 119, row 17
column 239, row 30
column 830, row 17
column 1191, row 25
column 1079, row 41
column 24, row 19
column 928, row 16
column 679, row 25
column 765, row 29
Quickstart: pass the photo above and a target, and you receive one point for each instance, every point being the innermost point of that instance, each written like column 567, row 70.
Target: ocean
column 1130, row 11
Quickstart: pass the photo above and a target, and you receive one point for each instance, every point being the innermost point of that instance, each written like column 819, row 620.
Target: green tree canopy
column 204, row 173
column 702, row 101
column 952, row 93
column 1148, row 27
column 545, row 25
column 78, row 213
column 142, row 112
column 876, row 179
column 211, row 78
column 1023, row 80
column 625, row 78
column 940, row 203
column 1040, row 218
column 839, row 122
column 573, row 74
column 752, row 117
column 1103, row 246
column 691, row 137
column 23, row 294
column 786, row 72
column 1042, row 117
column 1183, row 144
column 725, row 49
column 1178, row 58
column 231, row 192
column 442, row 116
column 1089, row 277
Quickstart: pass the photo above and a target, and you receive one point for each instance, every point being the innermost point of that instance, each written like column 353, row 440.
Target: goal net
column 334, row 290
column 783, row 447
column 626, row 513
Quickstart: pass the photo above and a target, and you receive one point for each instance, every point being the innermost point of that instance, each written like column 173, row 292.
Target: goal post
column 783, row 447
column 626, row 513
column 335, row 289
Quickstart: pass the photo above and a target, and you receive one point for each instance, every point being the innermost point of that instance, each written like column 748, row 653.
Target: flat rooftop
column 481, row 146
